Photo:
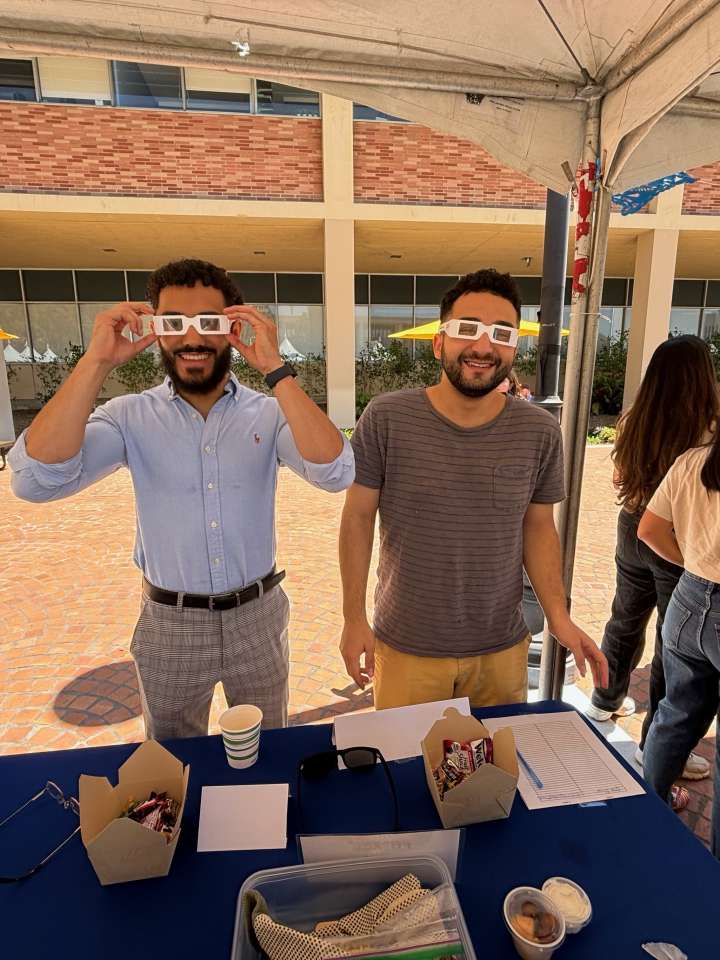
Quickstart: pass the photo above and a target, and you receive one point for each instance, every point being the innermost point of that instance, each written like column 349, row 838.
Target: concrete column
column 337, row 139
column 7, row 430
column 340, row 320
column 655, row 256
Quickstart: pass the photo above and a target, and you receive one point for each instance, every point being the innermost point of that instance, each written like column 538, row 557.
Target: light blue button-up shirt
column 204, row 489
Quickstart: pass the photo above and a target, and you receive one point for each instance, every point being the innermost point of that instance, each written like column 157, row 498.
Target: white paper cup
column 240, row 728
column 529, row 949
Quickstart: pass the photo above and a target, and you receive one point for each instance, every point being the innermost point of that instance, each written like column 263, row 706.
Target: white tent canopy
column 613, row 92
column 513, row 75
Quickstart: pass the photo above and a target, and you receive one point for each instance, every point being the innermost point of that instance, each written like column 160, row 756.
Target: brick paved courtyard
column 70, row 594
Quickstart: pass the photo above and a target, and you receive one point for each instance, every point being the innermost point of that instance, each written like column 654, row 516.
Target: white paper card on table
column 563, row 762
column 396, row 732
column 246, row 817
column 317, row 848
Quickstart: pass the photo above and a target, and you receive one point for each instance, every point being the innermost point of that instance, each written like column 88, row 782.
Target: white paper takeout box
column 119, row 848
column 488, row 793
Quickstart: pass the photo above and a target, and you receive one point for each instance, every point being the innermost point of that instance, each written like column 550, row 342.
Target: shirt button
column 210, row 486
column 213, row 523
column 208, row 449
column 217, row 561
column 194, row 416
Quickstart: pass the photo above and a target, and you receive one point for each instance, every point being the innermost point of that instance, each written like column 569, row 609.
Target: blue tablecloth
column 646, row 874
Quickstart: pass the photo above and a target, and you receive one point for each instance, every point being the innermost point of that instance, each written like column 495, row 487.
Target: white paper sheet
column 445, row 844
column 247, row 817
column 564, row 761
column 396, row 732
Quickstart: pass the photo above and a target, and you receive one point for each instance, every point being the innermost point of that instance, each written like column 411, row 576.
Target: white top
column 694, row 512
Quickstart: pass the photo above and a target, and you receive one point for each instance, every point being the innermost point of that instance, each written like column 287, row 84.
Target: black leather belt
column 218, row 601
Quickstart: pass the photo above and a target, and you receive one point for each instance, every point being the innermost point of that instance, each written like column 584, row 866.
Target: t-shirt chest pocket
column 512, row 487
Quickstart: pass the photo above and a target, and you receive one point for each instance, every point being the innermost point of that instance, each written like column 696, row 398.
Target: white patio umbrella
column 612, row 93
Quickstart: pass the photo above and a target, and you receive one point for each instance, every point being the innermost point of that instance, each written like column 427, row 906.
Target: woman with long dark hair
column 675, row 410
column 682, row 525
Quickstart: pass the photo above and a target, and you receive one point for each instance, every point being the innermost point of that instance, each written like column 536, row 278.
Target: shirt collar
column 232, row 387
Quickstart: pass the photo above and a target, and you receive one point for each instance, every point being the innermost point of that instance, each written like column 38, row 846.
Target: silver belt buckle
column 261, row 589
column 211, row 603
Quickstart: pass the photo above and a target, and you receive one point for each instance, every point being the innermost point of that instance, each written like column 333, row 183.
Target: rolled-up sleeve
column 103, row 452
column 334, row 476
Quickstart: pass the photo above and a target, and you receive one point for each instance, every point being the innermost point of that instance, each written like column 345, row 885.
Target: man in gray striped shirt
column 464, row 479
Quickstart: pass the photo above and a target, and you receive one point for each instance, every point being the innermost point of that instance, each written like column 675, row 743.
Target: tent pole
column 588, row 274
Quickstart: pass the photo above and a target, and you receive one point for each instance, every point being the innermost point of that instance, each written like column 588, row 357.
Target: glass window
column 12, row 320
column 88, row 312
column 137, row 284
column 527, row 312
column 217, row 90
column 74, row 80
column 361, row 112
column 10, row 285
column 54, row 327
column 52, row 285
column 301, row 330
column 391, row 288
column 300, row 287
column 255, row 287
column 269, row 309
column 147, row 85
column 362, row 328
column 711, row 323
column 389, row 318
column 610, row 323
column 683, row 320
column 17, row 81
column 100, row 285
column 713, row 293
column 688, row 293
column 361, row 288
column 280, row 99
column 627, row 319
column 529, row 288
column 432, row 289
column 614, row 291
column 423, row 315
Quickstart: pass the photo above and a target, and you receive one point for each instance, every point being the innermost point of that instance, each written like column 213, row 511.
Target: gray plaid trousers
column 181, row 653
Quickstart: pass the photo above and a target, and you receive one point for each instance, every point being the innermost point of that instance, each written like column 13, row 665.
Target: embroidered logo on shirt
column 256, row 437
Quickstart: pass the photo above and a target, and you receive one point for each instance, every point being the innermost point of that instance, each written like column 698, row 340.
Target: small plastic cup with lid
column 534, row 922
column 572, row 901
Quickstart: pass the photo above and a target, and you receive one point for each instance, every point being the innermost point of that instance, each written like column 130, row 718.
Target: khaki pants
column 402, row 679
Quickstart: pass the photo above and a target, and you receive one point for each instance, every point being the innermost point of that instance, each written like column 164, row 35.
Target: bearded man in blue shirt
column 203, row 452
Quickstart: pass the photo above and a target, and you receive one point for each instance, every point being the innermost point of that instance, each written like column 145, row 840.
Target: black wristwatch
column 275, row 376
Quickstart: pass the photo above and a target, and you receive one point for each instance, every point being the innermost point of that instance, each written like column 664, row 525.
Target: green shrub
column 602, row 435
column 51, row 373
column 140, row 373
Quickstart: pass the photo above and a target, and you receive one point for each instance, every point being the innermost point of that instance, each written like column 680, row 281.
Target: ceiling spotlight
column 259, row 253
column 109, row 250
column 242, row 47
column 527, row 260
column 396, row 256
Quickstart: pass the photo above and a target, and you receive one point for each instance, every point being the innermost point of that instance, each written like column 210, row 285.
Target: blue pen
column 530, row 772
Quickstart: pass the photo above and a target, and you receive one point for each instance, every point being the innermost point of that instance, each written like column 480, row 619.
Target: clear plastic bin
column 302, row 895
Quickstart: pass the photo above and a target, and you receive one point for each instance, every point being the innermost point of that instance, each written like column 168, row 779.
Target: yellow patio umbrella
column 528, row 328
column 7, row 336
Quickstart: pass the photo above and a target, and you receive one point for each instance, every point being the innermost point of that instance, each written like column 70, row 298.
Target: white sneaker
column 696, row 767
column 626, row 709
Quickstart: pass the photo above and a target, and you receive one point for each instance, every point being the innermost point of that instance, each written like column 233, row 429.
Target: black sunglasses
column 319, row 765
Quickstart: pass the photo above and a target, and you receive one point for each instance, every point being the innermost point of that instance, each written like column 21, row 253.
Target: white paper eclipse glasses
column 466, row 328
column 177, row 324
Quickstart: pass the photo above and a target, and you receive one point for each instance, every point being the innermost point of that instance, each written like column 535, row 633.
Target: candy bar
column 469, row 755
column 159, row 812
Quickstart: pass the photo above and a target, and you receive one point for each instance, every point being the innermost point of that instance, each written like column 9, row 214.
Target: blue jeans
column 691, row 659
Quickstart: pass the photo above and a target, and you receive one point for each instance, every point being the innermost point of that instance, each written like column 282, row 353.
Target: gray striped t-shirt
column 452, row 503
